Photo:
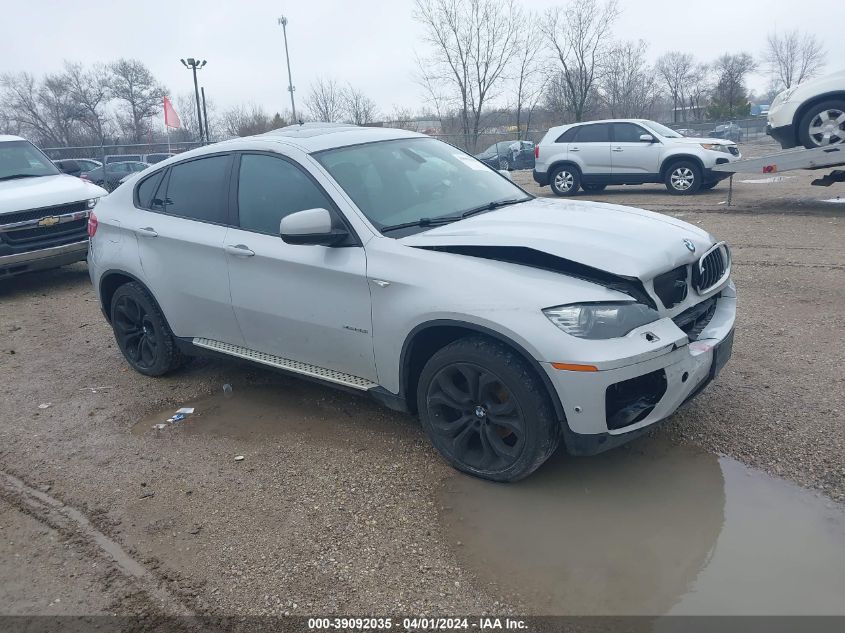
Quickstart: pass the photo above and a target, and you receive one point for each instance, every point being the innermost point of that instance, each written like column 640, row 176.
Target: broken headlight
column 601, row 320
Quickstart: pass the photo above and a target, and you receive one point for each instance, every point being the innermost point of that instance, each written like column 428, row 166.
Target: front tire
column 486, row 411
column 142, row 333
column 565, row 180
column 683, row 178
column 823, row 124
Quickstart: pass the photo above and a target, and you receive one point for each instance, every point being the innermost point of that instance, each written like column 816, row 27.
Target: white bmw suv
column 389, row 262
column 628, row 152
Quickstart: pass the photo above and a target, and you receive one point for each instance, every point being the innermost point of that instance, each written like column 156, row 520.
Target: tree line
column 482, row 62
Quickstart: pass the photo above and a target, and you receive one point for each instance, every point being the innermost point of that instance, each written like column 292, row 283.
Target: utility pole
column 194, row 65
column 284, row 22
column 205, row 116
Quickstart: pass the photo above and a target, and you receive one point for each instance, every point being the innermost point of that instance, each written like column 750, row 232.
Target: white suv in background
column 391, row 263
column 811, row 114
column 628, row 152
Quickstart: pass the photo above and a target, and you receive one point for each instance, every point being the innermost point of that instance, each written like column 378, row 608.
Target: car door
column 181, row 227
column 591, row 150
column 304, row 303
column 631, row 158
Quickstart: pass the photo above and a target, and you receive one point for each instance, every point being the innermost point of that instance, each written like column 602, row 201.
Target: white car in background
column 388, row 262
column 43, row 212
column 811, row 114
column 595, row 154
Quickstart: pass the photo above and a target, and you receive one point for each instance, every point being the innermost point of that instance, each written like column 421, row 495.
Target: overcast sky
column 368, row 43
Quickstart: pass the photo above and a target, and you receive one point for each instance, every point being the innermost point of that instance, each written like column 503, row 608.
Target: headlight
column 716, row 147
column 90, row 204
column 601, row 320
column 783, row 96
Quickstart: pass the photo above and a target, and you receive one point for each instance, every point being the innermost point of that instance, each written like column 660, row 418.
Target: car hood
column 624, row 241
column 22, row 194
column 691, row 140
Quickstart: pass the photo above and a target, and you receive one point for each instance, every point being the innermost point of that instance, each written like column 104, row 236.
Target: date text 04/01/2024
column 417, row 624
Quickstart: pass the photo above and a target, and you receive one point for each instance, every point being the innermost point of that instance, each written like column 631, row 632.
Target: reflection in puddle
column 651, row 529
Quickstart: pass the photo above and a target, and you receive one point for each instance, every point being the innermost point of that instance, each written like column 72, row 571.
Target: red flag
column 171, row 119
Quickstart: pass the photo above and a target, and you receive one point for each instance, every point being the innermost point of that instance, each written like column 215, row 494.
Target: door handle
column 574, row 149
column 617, row 149
column 239, row 250
column 146, row 231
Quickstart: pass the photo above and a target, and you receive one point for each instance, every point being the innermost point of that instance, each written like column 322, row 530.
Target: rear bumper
column 785, row 135
column 540, row 177
column 43, row 258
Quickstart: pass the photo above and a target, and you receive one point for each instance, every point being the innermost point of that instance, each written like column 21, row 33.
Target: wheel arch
column 113, row 279
column 674, row 158
column 561, row 163
column 809, row 103
column 427, row 338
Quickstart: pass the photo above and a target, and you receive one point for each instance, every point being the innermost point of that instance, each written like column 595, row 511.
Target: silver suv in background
column 628, row 152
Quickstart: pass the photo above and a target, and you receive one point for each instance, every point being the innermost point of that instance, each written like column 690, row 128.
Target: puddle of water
column 651, row 529
column 266, row 411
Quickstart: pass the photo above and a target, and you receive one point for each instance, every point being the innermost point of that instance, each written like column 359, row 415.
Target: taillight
column 536, row 152
column 92, row 224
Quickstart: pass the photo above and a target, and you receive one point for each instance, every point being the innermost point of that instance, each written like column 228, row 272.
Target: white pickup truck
column 43, row 212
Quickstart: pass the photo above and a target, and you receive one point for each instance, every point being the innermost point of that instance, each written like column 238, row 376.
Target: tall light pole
column 284, row 22
column 194, row 65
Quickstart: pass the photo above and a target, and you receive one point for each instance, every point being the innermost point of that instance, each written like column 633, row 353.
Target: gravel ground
column 335, row 508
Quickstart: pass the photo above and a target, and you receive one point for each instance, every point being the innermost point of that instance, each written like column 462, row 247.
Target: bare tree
column 471, row 44
column 698, row 90
column 579, row 34
column 325, row 102
column 627, row 85
column 730, row 96
column 90, row 91
column 37, row 109
column 529, row 76
column 360, row 109
column 246, row 121
column 793, row 57
column 141, row 96
column 676, row 70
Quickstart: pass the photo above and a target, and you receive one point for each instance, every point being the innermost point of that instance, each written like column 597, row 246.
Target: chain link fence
column 129, row 150
column 739, row 130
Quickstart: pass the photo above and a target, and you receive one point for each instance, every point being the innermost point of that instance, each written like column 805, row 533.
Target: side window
column 595, row 133
column 197, row 189
column 627, row 133
column 270, row 188
column 146, row 191
column 567, row 136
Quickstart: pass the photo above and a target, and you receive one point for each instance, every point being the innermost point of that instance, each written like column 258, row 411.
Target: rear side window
column 627, row 133
column 596, row 133
column 567, row 136
column 197, row 189
column 271, row 188
column 145, row 193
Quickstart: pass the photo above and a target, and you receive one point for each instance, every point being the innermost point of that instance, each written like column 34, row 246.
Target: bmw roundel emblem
column 690, row 246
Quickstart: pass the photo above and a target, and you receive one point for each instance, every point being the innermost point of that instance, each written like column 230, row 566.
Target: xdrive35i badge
column 690, row 246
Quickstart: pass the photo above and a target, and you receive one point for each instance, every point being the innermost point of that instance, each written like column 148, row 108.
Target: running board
column 329, row 375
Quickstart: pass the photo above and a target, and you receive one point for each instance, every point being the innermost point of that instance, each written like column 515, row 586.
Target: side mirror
column 311, row 227
column 506, row 174
column 646, row 138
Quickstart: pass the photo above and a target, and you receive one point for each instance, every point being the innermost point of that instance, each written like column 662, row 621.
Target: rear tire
column 565, row 180
column 486, row 411
column 142, row 332
column 683, row 178
column 828, row 118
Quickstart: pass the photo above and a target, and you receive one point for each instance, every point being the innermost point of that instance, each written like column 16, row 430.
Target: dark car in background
column 76, row 166
column 509, row 155
column 114, row 173
column 122, row 158
column 728, row 130
column 152, row 159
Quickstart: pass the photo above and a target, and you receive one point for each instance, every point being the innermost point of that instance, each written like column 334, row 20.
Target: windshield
column 405, row 180
column 664, row 131
column 21, row 159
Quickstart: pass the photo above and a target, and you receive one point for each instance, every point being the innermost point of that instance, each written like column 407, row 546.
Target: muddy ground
column 341, row 506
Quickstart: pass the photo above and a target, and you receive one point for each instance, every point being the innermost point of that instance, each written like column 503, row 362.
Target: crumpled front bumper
column 688, row 369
